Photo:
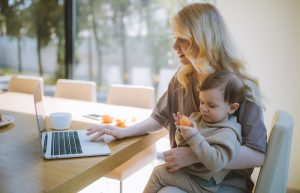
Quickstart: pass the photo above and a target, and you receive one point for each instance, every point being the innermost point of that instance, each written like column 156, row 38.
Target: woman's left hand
column 179, row 157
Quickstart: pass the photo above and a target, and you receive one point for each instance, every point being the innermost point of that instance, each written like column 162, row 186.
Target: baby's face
column 212, row 105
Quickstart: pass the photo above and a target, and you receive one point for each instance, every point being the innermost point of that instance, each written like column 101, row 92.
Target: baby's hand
column 182, row 120
column 185, row 121
column 186, row 127
column 187, row 131
column 176, row 118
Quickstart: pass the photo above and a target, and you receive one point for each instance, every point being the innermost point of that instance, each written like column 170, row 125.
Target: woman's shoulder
column 249, row 107
column 253, row 92
column 174, row 86
column 173, row 82
column 250, row 114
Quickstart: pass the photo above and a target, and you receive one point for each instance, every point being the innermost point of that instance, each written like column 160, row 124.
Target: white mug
column 60, row 120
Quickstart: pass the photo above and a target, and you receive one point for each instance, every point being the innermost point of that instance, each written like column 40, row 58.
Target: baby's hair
column 230, row 83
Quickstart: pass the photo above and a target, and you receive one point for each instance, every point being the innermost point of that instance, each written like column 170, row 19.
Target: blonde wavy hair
column 210, row 46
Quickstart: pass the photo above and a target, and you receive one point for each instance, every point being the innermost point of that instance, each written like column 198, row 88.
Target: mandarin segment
column 107, row 119
column 121, row 123
column 185, row 121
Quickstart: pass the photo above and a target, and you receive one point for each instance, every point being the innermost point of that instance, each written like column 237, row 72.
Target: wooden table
column 22, row 169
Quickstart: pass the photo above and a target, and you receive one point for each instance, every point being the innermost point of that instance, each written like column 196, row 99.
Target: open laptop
column 67, row 143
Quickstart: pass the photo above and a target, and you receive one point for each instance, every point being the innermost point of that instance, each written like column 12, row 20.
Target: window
column 32, row 38
column 126, row 41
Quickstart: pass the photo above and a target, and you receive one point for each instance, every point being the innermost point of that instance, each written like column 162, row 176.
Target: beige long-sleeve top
column 215, row 145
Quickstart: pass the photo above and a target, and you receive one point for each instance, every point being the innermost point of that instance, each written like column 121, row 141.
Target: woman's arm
column 183, row 156
column 247, row 158
column 144, row 127
column 147, row 126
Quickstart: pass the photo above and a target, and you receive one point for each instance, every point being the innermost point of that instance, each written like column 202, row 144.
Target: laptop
column 66, row 143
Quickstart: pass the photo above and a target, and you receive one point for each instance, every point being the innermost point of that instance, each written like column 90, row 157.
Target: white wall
column 268, row 34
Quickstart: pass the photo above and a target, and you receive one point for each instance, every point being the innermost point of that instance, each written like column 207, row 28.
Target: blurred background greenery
column 116, row 41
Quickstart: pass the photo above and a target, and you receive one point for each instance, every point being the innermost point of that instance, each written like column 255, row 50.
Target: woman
column 203, row 46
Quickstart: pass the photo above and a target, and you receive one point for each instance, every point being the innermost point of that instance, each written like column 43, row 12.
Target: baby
column 213, row 134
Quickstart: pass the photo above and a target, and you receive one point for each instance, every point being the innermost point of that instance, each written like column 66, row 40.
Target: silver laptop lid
column 40, row 117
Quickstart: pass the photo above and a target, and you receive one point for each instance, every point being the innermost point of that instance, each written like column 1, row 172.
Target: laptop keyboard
column 64, row 143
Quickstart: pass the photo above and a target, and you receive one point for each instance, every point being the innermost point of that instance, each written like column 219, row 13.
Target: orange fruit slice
column 107, row 119
column 185, row 121
column 121, row 123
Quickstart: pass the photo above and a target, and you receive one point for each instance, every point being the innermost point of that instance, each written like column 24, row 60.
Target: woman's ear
column 233, row 107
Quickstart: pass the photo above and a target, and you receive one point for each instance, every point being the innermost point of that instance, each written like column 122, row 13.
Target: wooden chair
column 24, row 83
column 136, row 96
column 76, row 89
column 273, row 174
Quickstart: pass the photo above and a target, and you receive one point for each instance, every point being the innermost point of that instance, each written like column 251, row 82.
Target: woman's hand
column 178, row 158
column 141, row 128
column 112, row 130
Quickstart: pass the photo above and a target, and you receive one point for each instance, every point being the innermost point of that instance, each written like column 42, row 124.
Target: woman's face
column 180, row 46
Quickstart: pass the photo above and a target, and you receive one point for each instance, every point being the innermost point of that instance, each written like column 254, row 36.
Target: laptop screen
column 39, row 109
column 40, row 118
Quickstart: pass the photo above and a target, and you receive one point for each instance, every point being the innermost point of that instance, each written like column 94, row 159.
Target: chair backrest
column 131, row 95
column 25, row 83
column 273, row 175
column 76, row 89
